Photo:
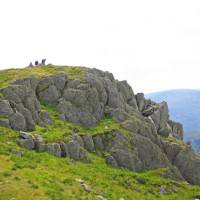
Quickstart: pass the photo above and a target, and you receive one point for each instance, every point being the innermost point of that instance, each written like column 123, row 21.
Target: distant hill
column 184, row 106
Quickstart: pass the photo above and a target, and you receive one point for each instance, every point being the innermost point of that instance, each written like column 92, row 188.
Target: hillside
column 184, row 106
column 78, row 133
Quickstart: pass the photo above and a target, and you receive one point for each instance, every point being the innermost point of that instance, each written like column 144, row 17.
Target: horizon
column 146, row 93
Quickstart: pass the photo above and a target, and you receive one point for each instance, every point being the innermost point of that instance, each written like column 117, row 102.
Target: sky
column 154, row 45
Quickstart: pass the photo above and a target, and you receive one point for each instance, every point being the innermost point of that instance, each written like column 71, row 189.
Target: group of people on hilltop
column 37, row 63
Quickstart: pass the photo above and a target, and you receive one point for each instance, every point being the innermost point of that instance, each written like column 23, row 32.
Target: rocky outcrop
column 151, row 140
column 21, row 106
column 71, row 149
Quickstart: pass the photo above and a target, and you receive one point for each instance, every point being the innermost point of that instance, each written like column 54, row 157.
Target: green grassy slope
column 10, row 75
column 42, row 176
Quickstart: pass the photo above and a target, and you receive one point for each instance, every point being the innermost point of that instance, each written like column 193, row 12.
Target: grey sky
column 155, row 45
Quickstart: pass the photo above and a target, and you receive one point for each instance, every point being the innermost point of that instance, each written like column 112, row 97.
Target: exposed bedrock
column 151, row 139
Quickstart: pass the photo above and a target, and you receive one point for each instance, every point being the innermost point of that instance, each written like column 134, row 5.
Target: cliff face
column 146, row 139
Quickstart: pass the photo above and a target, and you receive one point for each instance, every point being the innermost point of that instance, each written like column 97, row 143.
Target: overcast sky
column 155, row 45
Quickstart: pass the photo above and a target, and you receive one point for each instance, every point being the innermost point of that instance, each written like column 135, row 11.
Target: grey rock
column 188, row 163
column 119, row 114
column 27, row 143
column 5, row 108
column 86, row 187
column 171, row 149
column 49, row 95
column 73, row 83
column 45, row 118
column 17, row 121
column 111, row 161
column 76, row 152
column 98, row 142
column 140, row 101
column 40, row 145
column 88, row 143
column 77, row 97
column 59, row 81
column 78, row 139
column 149, row 153
column 31, row 82
column 173, row 173
column 162, row 190
column 127, row 159
column 64, row 149
column 74, row 149
column 54, row 149
column 165, row 130
column 177, row 129
column 30, row 124
column 15, row 93
column 25, row 135
column 44, row 84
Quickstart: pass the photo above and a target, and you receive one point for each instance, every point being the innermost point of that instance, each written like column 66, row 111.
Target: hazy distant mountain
column 184, row 106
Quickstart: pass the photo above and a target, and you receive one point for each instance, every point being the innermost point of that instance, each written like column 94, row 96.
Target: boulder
column 76, row 152
column 27, row 143
column 40, row 145
column 54, row 149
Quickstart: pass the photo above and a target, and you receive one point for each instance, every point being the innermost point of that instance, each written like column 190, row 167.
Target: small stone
column 162, row 190
column 197, row 197
column 86, row 187
column 101, row 197
column 25, row 135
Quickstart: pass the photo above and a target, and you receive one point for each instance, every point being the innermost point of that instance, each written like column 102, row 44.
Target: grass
column 43, row 176
column 10, row 75
column 60, row 130
column 47, row 177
